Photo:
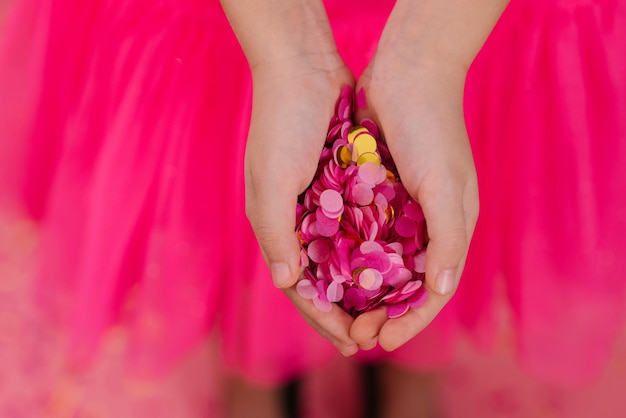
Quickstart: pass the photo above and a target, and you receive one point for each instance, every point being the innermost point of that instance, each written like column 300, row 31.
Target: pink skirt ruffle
column 122, row 136
column 546, row 114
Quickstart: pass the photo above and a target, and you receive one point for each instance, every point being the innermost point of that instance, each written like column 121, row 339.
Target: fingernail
column 349, row 351
column 444, row 283
column 281, row 275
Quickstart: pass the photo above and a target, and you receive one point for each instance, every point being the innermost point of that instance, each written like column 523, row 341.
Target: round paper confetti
column 363, row 237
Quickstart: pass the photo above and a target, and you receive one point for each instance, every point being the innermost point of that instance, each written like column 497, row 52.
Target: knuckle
column 266, row 235
column 455, row 242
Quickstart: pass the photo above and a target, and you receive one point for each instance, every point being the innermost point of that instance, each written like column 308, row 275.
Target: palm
column 420, row 113
column 291, row 111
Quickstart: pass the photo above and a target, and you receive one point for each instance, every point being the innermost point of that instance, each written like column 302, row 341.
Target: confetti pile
column 363, row 237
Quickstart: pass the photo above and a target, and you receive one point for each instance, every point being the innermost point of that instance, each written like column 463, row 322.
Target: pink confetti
column 370, row 279
column 331, row 203
column 362, row 235
column 339, row 278
column 362, row 194
column 418, row 298
column 334, row 131
column 414, row 211
column 397, row 310
column 345, row 127
column 304, row 259
column 404, row 276
column 355, row 298
column 405, row 227
column 322, row 305
column 371, row 247
column 411, row 287
column 420, row 262
column 381, row 202
column 306, row 289
column 409, row 246
column 334, row 293
column 371, row 126
column 319, row 250
column 344, row 108
column 361, row 102
column 369, row 173
column 396, row 247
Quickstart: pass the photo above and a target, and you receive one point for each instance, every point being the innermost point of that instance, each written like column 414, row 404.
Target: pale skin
column 414, row 88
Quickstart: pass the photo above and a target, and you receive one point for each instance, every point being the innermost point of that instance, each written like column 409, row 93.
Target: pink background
column 34, row 384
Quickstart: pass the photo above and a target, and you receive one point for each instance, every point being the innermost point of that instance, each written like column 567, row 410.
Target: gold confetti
column 354, row 132
column 368, row 157
column 364, row 143
column 344, row 156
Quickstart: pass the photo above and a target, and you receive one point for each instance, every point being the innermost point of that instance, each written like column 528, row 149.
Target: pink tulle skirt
column 122, row 130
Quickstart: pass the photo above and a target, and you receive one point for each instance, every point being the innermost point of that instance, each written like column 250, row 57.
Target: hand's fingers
column 334, row 325
column 442, row 202
column 452, row 229
column 442, row 197
column 374, row 326
column 271, row 210
column 366, row 328
column 396, row 332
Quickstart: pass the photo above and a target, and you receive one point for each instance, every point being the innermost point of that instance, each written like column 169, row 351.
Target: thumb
column 271, row 212
column 448, row 241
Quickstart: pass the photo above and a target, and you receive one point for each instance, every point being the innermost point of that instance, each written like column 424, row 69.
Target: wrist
column 441, row 33
column 283, row 32
column 288, row 67
column 408, row 36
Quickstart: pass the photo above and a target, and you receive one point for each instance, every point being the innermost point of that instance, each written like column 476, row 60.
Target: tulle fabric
column 123, row 131
column 546, row 113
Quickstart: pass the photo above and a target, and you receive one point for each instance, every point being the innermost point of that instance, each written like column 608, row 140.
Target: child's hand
column 420, row 110
column 297, row 75
column 414, row 89
column 293, row 104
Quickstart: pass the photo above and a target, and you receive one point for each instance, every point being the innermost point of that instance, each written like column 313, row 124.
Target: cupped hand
column 293, row 102
column 419, row 108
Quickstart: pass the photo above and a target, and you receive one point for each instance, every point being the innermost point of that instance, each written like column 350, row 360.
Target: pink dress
column 122, row 130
